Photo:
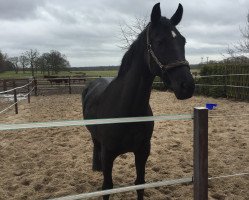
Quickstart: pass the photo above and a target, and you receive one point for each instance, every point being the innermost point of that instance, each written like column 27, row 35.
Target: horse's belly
column 125, row 137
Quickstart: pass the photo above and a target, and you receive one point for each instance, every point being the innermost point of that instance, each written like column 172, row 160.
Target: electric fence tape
column 4, row 127
column 125, row 189
column 137, row 187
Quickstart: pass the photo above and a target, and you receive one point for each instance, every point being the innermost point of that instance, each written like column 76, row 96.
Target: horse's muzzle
column 185, row 90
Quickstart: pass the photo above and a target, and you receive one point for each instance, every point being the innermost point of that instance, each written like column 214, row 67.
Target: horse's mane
column 135, row 48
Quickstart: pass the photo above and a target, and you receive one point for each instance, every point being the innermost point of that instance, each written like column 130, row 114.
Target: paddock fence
column 216, row 85
column 46, row 86
column 61, row 85
column 234, row 86
column 227, row 80
column 21, row 89
column 200, row 151
column 12, row 91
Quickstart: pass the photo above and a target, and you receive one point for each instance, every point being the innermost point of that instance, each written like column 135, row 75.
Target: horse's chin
column 183, row 96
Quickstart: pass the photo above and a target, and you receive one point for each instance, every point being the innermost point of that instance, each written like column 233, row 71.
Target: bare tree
column 43, row 63
column 129, row 32
column 40, row 64
column 24, row 61
column 15, row 61
column 32, row 55
column 5, row 64
column 58, row 61
column 3, row 59
column 242, row 47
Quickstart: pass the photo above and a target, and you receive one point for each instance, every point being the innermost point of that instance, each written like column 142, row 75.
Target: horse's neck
column 137, row 88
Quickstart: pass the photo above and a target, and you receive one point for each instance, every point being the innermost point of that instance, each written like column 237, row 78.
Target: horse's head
column 166, row 53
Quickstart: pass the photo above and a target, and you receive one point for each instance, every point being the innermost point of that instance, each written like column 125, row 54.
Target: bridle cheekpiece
column 164, row 67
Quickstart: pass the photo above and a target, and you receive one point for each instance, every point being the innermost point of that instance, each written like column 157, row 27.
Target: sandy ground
column 54, row 162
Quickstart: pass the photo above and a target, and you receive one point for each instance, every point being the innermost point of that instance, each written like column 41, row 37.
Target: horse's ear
column 155, row 14
column 176, row 18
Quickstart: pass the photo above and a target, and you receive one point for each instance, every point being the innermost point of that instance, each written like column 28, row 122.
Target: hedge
column 229, row 81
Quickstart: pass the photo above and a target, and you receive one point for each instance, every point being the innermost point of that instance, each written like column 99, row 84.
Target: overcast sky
column 88, row 32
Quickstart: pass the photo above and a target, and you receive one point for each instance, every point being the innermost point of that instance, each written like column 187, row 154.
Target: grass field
column 105, row 73
column 93, row 73
column 27, row 74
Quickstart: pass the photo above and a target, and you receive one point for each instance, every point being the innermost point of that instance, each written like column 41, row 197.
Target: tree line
column 50, row 63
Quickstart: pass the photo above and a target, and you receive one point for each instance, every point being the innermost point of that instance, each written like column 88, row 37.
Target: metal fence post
column 200, row 153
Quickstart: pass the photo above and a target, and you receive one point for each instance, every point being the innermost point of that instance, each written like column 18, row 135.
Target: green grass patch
column 28, row 74
column 104, row 73
column 13, row 75
column 92, row 73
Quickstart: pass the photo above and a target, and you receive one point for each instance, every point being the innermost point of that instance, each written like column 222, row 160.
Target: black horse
column 158, row 51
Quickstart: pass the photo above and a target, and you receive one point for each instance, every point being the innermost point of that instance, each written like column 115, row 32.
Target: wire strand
column 222, row 116
column 221, row 75
column 16, row 88
column 2, row 111
column 233, row 86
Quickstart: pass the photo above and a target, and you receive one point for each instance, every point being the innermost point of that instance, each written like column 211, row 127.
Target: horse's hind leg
column 97, row 166
column 141, row 157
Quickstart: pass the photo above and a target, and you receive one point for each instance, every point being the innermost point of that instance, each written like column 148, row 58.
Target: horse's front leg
column 141, row 157
column 107, row 158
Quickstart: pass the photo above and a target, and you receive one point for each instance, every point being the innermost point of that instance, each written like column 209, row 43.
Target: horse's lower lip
column 184, row 95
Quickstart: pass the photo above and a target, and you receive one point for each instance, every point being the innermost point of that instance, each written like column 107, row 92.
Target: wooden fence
column 17, row 88
column 63, row 84
column 41, row 86
column 60, row 85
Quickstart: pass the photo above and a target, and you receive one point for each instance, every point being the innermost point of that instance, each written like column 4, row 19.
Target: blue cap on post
column 211, row 106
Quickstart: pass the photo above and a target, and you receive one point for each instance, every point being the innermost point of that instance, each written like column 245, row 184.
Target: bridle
column 162, row 66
